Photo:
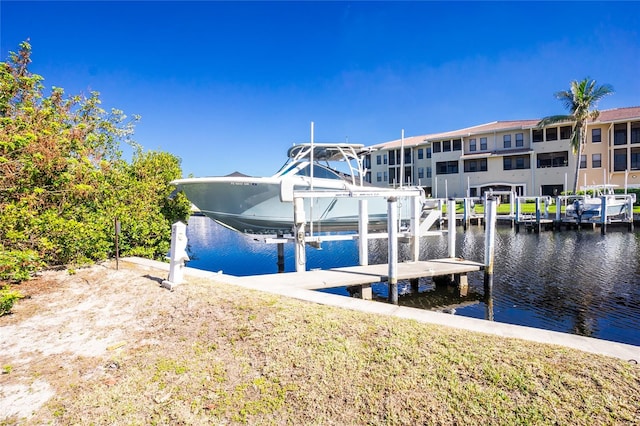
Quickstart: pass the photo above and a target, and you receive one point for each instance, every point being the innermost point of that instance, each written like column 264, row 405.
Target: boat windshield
column 304, row 169
column 320, row 172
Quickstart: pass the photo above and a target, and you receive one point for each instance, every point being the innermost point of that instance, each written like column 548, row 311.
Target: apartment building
column 513, row 156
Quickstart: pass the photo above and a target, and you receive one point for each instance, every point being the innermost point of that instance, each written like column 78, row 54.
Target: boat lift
column 411, row 235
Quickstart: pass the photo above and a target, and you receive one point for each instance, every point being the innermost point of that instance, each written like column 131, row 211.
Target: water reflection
column 572, row 281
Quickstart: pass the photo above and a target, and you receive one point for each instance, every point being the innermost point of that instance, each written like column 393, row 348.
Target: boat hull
column 254, row 206
column 590, row 209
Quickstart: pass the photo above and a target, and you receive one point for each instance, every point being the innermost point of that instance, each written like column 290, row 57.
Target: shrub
column 7, row 297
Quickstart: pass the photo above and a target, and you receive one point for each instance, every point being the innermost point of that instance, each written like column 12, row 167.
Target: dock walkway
column 363, row 275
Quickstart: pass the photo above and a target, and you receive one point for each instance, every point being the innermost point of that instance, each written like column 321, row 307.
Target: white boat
column 254, row 205
column 589, row 206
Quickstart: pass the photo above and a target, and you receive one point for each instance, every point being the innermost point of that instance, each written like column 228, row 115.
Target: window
column 552, row 133
column 635, row 158
column 635, row 132
column 393, row 179
column 379, row 159
column 620, row 134
column 472, row 144
column 385, row 176
column 420, row 172
column 408, row 178
column 537, row 135
column 516, row 162
column 420, row 154
column 407, row 156
column 392, row 158
column 620, row 160
column 428, row 172
column 457, row 145
column 583, row 161
column 483, row 144
column 384, row 159
column 436, row 147
column 596, row 160
column 553, row 159
column 446, row 167
column 446, row 146
column 565, row 132
column 506, row 140
column 428, row 152
column 478, row 165
column 379, row 177
column 596, row 135
column 519, row 139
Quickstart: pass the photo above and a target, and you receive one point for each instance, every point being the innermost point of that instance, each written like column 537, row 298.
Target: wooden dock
column 365, row 275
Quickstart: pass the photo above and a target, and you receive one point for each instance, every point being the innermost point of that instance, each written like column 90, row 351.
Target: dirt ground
column 66, row 328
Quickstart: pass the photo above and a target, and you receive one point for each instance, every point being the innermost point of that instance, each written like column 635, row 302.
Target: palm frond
column 554, row 119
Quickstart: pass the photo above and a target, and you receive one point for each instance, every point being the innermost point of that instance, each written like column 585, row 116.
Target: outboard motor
column 578, row 205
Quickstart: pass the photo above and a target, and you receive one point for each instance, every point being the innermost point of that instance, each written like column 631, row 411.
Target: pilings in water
column 392, row 228
column 489, row 253
column 540, row 217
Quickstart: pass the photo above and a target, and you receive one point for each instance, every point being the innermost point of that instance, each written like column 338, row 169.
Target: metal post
column 538, row 214
column 363, row 233
column 466, row 212
column 116, row 224
column 299, row 222
column 517, row 215
column 630, row 211
column 451, row 218
column 280, row 261
column 414, row 225
column 392, row 230
column 558, row 213
column 489, row 250
column 603, row 214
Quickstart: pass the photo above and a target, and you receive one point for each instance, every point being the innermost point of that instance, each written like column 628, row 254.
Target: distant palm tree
column 581, row 100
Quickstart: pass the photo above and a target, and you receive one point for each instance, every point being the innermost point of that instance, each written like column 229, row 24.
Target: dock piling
column 392, row 229
column 280, row 261
column 299, row 222
column 451, row 222
column 489, row 243
column 603, row 215
column 363, row 233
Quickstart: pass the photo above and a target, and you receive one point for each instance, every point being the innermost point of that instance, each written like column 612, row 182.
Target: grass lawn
column 209, row 353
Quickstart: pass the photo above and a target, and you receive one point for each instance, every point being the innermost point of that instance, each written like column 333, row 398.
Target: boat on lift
column 257, row 205
column 589, row 206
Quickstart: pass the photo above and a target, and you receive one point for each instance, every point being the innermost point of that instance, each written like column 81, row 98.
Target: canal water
column 577, row 282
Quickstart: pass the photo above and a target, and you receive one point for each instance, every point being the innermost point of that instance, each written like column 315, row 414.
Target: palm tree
column 581, row 101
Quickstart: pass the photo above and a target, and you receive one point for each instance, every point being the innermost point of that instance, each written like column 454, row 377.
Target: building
column 513, row 156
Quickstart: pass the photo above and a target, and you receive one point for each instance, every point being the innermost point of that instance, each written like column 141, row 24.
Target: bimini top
column 326, row 151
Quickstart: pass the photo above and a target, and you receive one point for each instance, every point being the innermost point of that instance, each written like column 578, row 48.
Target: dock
column 364, row 276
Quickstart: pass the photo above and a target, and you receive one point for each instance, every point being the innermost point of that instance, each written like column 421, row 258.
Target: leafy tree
column 581, row 101
column 63, row 180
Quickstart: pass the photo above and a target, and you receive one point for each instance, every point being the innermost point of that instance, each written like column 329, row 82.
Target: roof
column 606, row 116
column 617, row 114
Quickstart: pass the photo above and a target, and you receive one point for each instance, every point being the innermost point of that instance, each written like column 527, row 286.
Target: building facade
column 513, row 156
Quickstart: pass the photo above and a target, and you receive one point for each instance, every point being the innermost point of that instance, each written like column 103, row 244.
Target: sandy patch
column 67, row 328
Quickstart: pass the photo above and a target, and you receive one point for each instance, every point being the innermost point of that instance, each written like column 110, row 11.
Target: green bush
column 7, row 297
column 63, row 181
column 18, row 265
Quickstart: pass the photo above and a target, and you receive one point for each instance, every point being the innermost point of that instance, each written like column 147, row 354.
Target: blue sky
column 230, row 86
